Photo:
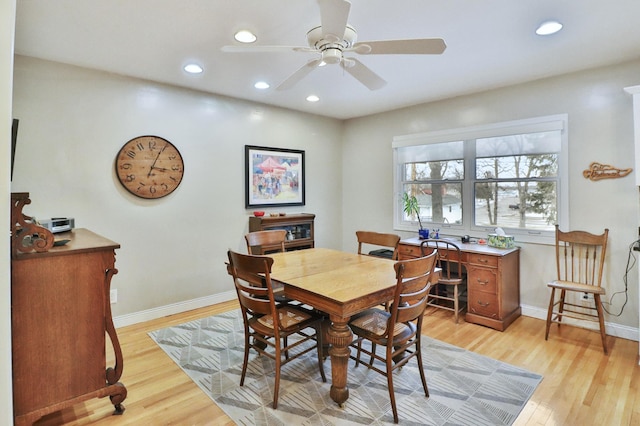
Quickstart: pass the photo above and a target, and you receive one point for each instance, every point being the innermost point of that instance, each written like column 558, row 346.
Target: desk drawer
column 407, row 251
column 482, row 260
column 482, row 279
column 484, row 304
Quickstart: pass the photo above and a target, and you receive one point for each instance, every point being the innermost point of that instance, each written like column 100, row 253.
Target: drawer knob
column 483, row 304
column 482, row 282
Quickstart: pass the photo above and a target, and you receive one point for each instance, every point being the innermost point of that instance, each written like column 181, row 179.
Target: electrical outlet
column 586, row 296
column 114, row 295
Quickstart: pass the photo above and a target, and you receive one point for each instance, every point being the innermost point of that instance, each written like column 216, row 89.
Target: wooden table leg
column 340, row 336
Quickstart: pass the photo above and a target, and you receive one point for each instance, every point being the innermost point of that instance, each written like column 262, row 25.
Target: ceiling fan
column 335, row 37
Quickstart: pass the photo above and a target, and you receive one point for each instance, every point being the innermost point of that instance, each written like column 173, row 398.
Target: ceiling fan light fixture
column 332, row 55
column 245, row 36
column 548, row 28
column 313, row 98
column 193, row 68
column 262, row 85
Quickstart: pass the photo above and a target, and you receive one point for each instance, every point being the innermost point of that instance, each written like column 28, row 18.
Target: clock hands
column 153, row 166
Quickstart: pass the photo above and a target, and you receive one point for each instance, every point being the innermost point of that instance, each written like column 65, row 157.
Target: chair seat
column 290, row 318
column 450, row 281
column 372, row 324
column 573, row 286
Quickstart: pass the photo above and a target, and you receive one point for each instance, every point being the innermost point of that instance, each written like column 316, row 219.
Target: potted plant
column 412, row 208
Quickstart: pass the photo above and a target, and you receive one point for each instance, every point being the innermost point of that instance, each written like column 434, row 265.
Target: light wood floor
column 581, row 385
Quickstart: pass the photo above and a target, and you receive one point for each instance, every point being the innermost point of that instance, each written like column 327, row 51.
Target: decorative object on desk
column 500, row 239
column 412, row 208
column 61, row 242
column 466, row 388
column 149, row 167
column 274, row 177
column 597, row 171
column 466, row 239
column 258, row 213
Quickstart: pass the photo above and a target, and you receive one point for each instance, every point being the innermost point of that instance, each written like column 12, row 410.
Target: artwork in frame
column 274, row 177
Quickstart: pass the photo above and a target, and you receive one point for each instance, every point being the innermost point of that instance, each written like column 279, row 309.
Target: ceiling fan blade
column 264, row 49
column 425, row 46
column 363, row 74
column 333, row 18
column 294, row 78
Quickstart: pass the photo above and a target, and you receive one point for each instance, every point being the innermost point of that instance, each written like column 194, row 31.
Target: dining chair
column 397, row 330
column 452, row 285
column 369, row 238
column 264, row 242
column 580, row 258
column 268, row 325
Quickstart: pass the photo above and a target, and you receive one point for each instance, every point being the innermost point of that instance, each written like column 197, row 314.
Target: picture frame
column 274, row 177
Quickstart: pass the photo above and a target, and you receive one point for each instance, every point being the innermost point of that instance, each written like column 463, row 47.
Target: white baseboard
column 613, row 329
column 174, row 308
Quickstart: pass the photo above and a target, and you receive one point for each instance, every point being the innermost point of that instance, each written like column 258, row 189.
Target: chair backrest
column 413, row 281
column 378, row 239
column 580, row 256
column 449, row 258
column 262, row 242
column 252, row 279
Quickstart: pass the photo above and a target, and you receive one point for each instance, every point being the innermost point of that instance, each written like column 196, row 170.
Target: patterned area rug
column 465, row 388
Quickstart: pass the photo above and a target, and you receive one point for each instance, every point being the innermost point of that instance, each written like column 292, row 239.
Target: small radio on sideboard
column 58, row 224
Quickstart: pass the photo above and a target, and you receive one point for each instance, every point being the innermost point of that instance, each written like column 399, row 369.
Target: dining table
column 340, row 284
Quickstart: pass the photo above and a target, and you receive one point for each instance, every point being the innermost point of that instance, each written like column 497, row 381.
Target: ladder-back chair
column 398, row 330
column 390, row 241
column 580, row 258
column 268, row 325
column 264, row 242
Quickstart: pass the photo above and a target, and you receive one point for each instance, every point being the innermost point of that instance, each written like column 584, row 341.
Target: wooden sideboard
column 299, row 228
column 493, row 281
column 60, row 317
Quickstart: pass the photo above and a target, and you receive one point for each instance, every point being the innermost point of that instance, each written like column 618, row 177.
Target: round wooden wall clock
column 149, row 167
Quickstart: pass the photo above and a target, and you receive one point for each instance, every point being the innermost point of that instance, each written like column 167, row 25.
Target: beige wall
column 600, row 129
column 73, row 122
column 7, row 24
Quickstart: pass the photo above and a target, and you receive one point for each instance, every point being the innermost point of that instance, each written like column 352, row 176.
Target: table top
column 336, row 282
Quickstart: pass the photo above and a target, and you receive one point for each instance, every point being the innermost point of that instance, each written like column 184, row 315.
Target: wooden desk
column 340, row 284
column 493, row 281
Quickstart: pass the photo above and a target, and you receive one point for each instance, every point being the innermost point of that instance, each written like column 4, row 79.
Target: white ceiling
column 490, row 43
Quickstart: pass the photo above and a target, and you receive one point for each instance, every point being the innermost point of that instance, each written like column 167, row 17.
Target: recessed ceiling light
column 261, row 85
column 245, row 36
column 193, row 68
column 549, row 27
column 313, row 98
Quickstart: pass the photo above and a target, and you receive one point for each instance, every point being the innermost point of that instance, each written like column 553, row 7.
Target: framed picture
column 274, row 177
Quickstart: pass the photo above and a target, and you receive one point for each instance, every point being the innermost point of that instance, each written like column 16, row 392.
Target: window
column 473, row 180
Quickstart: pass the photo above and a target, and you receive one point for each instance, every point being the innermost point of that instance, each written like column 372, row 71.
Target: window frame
column 531, row 125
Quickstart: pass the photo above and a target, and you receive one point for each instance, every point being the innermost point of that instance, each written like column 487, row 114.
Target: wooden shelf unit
column 60, row 320
column 493, row 281
column 299, row 226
